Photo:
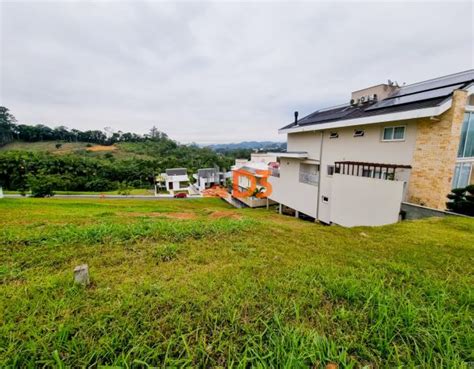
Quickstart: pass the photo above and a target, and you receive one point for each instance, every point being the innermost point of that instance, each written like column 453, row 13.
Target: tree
column 7, row 126
column 42, row 186
column 462, row 200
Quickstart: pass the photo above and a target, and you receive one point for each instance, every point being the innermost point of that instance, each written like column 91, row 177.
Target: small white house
column 175, row 179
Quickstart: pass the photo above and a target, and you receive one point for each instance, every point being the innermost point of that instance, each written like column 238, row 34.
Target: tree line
column 10, row 131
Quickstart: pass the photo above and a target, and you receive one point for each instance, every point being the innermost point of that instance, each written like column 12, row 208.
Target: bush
column 462, row 200
column 100, row 184
column 42, row 185
column 123, row 188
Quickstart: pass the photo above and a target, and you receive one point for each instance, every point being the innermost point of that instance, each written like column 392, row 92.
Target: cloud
column 216, row 72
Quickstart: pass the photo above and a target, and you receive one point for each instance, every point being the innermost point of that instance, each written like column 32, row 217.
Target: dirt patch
column 163, row 215
column 98, row 148
column 225, row 214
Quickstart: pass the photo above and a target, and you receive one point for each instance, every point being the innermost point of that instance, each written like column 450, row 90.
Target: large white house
column 355, row 163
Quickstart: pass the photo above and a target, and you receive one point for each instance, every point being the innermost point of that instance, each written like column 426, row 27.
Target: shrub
column 462, row 200
column 42, row 185
column 123, row 188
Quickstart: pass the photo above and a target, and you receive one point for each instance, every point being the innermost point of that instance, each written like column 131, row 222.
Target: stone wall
column 435, row 154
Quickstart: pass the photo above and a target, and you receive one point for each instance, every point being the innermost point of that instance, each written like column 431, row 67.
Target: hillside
column 85, row 166
column 118, row 151
column 194, row 283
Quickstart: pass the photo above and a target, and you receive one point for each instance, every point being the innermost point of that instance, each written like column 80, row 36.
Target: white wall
column 288, row 190
column 358, row 201
column 309, row 142
column 369, row 148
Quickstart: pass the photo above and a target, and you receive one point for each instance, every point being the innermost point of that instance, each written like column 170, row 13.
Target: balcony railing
column 371, row 170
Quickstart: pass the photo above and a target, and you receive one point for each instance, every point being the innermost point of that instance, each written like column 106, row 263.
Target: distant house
column 174, row 179
column 208, row 177
column 355, row 163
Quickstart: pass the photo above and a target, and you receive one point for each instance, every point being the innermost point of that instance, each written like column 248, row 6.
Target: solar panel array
column 434, row 88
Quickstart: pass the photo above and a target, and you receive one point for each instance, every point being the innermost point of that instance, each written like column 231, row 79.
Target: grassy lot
column 133, row 191
column 194, row 283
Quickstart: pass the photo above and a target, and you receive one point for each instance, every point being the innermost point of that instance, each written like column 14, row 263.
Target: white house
column 208, row 177
column 355, row 163
column 174, row 179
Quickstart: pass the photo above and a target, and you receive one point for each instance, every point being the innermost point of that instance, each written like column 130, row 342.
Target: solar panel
column 422, row 95
column 327, row 115
column 436, row 83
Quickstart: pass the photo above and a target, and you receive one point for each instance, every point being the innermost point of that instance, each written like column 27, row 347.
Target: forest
column 142, row 158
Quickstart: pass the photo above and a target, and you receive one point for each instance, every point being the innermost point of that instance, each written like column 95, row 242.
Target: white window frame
column 383, row 139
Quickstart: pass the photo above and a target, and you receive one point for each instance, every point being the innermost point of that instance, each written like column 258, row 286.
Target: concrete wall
column 305, row 141
column 288, row 190
column 437, row 143
column 362, row 201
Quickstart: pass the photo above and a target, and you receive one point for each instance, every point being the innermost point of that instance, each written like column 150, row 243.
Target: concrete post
column 280, row 210
column 81, row 275
column 297, row 214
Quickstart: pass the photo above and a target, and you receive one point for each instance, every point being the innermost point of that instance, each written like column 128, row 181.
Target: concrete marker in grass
column 81, row 275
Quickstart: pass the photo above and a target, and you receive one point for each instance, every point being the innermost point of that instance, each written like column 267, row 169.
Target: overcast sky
column 216, row 72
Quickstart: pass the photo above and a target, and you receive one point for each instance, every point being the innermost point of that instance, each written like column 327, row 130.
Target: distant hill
column 252, row 145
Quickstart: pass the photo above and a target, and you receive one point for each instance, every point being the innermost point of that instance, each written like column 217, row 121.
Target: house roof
column 176, row 171
column 432, row 93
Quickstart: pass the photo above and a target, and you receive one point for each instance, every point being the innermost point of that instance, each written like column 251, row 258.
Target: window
column 330, row 170
column 334, row 135
column 462, row 175
column 466, row 145
column 358, row 133
column 309, row 173
column 393, row 133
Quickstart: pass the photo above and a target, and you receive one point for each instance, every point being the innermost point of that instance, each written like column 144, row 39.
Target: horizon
column 222, row 73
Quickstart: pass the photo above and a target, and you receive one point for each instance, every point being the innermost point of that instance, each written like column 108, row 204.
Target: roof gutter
column 410, row 114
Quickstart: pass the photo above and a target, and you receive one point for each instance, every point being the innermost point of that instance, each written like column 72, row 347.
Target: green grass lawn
column 133, row 191
column 195, row 283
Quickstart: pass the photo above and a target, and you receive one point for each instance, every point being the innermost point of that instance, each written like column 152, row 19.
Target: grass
column 133, row 191
column 229, row 288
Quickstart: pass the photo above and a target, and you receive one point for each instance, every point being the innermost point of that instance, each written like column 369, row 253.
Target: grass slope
column 194, row 283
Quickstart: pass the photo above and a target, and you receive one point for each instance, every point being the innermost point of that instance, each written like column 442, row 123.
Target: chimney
column 296, row 118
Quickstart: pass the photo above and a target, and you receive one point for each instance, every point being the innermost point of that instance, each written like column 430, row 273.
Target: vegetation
column 72, row 160
column 193, row 283
column 462, row 200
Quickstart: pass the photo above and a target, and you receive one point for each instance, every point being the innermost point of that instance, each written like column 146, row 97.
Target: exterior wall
column 371, row 201
column 178, row 182
column 288, row 190
column 434, row 159
column 305, row 141
column 368, row 148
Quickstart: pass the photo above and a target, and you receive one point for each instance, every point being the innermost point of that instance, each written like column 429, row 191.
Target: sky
column 216, row 72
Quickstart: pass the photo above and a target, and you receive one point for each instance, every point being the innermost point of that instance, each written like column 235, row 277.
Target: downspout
column 320, row 174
